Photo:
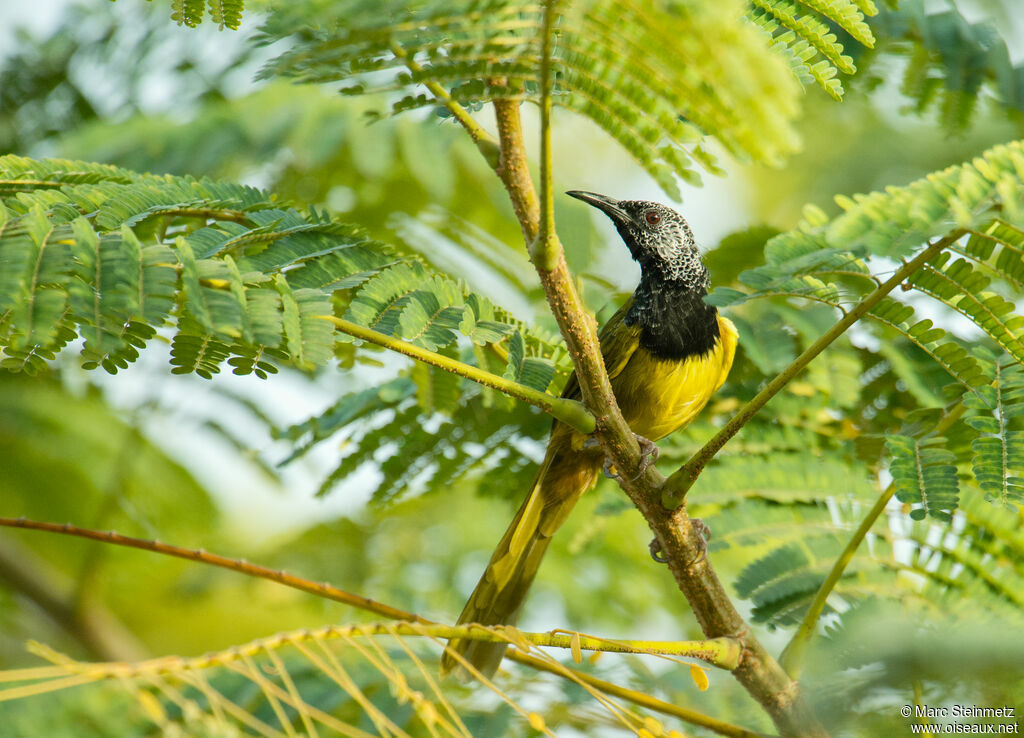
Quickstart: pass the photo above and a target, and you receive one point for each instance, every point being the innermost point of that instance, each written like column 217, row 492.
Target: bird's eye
column 653, row 217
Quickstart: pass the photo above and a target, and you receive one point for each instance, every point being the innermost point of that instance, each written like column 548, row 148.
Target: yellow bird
column 666, row 352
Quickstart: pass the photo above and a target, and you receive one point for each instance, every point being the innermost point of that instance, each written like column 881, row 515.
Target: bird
column 666, row 351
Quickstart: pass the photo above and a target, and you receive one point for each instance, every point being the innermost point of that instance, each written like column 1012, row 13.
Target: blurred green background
column 199, row 463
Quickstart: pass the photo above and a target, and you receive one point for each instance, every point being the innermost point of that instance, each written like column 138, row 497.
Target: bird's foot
column 704, row 536
column 649, row 453
column 655, row 549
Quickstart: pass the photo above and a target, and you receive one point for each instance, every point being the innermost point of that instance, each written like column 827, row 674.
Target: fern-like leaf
column 998, row 462
column 824, row 259
column 924, row 473
column 656, row 77
column 954, row 60
column 116, row 256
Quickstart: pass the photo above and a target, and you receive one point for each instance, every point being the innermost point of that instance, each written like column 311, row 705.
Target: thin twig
column 721, row 652
column 413, row 621
column 320, row 589
column 570, row 412
column 546, row 251
column 639, row 698
column 680, row 482
column 483, row 140
column 792, row 658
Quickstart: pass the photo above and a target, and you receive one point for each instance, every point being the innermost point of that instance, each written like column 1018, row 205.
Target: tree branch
column 680, row 482
column 320, row 589
column 514, row 170
column 710, row 651
column 758, row 672
column 570, row 412
column 724, row 651
column 483, row 140
column 545, row 251
column 792, row 658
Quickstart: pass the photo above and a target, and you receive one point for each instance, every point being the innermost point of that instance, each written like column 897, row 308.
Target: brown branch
column 758, row 672
column 321, row 589
column 792, row 658
column 513, row 168
column 333, row 593
column 578, row 327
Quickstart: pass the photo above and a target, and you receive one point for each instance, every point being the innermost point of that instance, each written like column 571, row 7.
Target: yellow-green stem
column 570, row 412
column 635, row 696
column 545, row 252
column 792, row 659
column 483, row 140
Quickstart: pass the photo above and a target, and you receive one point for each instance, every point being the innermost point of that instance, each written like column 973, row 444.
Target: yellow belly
column 659, row 396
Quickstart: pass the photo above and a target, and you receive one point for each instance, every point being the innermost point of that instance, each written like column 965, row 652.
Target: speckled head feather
column 668, row 304
column 658, row 237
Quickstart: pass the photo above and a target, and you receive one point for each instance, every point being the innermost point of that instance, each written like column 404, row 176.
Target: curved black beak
column 605, row 204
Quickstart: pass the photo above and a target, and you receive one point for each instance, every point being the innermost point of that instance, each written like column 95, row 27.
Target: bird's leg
column 702, row 530
column 649, row 453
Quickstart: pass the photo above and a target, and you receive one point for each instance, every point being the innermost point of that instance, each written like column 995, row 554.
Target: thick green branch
column 569, row 412
column 680, row 482
column 793, row 655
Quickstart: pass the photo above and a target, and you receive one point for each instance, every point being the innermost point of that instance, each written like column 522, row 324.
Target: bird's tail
column 563, row 478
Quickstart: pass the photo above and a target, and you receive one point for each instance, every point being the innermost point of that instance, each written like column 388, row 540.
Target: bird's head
column 658, row 237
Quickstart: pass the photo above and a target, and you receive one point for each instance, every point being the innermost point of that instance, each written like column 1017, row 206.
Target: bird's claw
column 649, row 453
column 703, row 533
column 655, row 549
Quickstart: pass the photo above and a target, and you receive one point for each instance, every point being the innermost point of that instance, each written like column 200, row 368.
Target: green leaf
column 611, row 60
column 924, row 473
column 529, row 370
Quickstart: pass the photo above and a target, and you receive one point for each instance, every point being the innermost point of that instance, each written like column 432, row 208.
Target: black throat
column 675, row 321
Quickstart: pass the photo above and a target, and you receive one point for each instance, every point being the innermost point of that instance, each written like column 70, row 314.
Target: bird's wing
column 618, row 342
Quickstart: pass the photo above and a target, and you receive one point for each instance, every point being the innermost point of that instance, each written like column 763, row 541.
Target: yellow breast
column 659, row 396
